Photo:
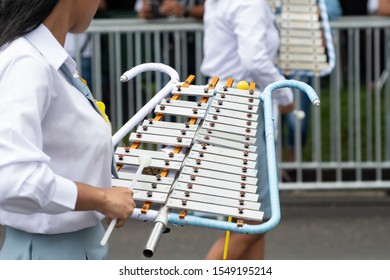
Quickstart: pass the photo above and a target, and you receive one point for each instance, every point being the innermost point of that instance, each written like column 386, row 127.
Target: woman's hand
column 146, row 10
column 115, row 203
column 172, row 8
column 119, row 204
column 287, row 108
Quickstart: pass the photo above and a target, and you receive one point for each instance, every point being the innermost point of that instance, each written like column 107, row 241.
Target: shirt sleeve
column 250, row 23
column 28, row 185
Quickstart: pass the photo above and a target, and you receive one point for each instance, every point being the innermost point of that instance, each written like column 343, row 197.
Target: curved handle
column 144, row 111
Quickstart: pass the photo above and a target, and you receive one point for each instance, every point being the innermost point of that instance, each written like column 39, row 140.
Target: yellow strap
column 102, row 109
column 83, row 81
column 227, row 237
column 99, row 104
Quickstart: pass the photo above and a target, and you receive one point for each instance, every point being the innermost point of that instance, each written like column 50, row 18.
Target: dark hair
column 18, row 17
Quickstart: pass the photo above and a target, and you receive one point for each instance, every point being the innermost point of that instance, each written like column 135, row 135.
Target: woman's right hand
column 115, row 203
column 119, row 204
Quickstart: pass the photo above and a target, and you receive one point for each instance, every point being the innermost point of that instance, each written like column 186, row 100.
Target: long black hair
column 18, row 17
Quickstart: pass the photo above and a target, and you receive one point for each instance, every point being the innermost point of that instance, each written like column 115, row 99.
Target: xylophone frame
column 163, row 217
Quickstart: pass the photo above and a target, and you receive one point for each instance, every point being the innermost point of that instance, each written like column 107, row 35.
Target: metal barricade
column 122, row 44
column 348, row 144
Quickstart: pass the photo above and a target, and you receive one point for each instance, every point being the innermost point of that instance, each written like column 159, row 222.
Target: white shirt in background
column 241, row 42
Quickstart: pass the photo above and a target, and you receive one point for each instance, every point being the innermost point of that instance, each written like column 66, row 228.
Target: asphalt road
column 314, row 226
column 317, row 225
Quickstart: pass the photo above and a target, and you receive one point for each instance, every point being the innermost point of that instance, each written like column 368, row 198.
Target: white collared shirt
column 50, row 137
column 241, row 42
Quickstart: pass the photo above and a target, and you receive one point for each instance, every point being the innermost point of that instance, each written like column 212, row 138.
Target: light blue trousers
column 79, row 245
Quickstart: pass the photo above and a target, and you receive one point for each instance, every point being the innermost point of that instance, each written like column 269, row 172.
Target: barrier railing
column 348, row 140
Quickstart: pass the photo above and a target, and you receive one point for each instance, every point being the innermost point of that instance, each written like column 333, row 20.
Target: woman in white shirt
column 241, row 42
column 56, row 149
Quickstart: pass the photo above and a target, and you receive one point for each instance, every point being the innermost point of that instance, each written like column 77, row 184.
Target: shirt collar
column 44, row 41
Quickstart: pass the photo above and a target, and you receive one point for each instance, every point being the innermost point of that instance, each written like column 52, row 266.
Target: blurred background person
column 170, row 8
column 174, row 9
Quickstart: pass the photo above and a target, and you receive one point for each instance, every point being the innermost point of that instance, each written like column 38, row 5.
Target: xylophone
column 306, row 41
column 220, row 161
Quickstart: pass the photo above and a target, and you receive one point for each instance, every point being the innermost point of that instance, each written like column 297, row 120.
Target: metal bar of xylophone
column 218, row 163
